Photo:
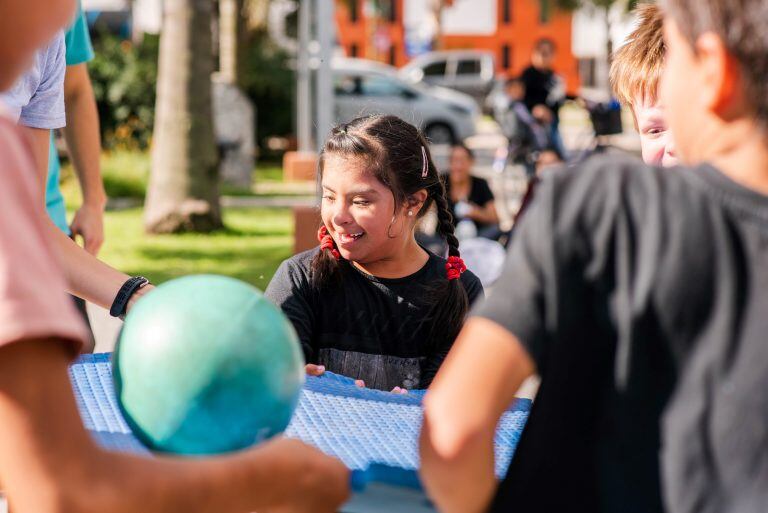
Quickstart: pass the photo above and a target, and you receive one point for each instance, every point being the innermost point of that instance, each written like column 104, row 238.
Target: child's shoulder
column 293, row 274
column 608, row 185
column 602, row 173
column 298, row 268
column 300, row 263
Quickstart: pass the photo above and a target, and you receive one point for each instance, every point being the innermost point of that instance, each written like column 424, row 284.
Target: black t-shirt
column 538, row 84
column 479, row 195
column 624, row 282
column 368, row 328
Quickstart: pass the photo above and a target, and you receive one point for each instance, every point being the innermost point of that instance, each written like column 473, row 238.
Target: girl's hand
column 314, row 370
column 360, row 383
column 398, row 390
column 475, row 213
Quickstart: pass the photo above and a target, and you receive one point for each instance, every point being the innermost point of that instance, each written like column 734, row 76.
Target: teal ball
column 206, row 365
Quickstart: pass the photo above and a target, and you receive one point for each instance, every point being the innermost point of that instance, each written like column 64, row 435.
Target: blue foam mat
column 374, row 433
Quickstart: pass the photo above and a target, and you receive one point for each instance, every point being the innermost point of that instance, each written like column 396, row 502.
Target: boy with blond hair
column 640, row 297
column 635, row 74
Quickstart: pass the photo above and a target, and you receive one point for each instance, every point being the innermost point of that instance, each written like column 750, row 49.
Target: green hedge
column 124, row 77
column 270, row 84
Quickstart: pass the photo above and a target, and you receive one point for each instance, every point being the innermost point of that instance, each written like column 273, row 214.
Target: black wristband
column 120, row 304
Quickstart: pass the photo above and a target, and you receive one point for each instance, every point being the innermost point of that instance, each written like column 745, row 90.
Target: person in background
column 525, row 134
column 470, row 198
column 545, row 88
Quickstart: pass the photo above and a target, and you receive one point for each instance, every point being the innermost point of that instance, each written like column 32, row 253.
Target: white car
column 470, row 71
column 367, row 87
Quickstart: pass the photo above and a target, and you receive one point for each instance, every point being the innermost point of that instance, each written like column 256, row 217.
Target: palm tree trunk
column 231, row 36
column 183, row 188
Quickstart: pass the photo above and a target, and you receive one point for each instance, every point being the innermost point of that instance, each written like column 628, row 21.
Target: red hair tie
column 455, row 267
column 326, row 242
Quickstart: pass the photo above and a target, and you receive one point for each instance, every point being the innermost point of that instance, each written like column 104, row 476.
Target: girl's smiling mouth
column 349, row 238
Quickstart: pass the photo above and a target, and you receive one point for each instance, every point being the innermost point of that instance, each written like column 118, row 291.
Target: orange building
column 519, row 24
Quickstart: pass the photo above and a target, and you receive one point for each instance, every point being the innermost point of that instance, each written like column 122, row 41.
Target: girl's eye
column 361, row 202
column 655, row 131
column 328, row 198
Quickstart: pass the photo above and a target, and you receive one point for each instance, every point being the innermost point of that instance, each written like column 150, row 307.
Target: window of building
column 354, row 50
column 385, row 9
column 392, row 14
column 544, row 11
column 393, row 55
column 468, row 67
column 507, row 11
column 354, row 14
column 506, row 57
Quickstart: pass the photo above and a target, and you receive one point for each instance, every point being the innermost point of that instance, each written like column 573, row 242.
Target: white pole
column 325, row 24
column 303, row 77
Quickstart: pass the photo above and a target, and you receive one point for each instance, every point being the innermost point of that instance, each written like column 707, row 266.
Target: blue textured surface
column 374, row 433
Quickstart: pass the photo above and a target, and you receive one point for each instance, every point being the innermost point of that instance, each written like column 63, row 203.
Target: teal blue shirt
column 79, row 50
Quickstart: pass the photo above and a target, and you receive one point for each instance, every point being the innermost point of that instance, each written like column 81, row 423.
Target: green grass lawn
column 250, row 248
column 268, row 172
column 125, row 175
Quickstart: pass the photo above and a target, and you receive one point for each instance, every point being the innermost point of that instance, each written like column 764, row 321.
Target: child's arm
column 87, row 277
column 475, row 385
column 40, row 142
column 485, row 214
column 84, row 143
column 48, row 462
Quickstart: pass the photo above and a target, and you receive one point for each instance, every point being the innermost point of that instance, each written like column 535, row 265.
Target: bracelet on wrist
column 129, row 288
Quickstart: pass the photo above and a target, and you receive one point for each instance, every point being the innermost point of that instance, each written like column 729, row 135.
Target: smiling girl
column 370, row 303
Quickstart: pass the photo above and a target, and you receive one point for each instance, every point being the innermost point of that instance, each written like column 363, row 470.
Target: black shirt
column 538, row 84
column 624, row 282
column 368, row 328
column 479, row 195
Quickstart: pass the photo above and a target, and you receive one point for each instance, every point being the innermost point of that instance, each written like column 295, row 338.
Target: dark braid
column 449, row 297
column 445, row 225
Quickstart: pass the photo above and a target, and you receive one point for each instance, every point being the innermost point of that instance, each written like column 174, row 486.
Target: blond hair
column 637, row 66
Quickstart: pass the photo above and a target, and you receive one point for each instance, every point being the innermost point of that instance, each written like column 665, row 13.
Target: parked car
column 469, row 71
column 367, row 87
